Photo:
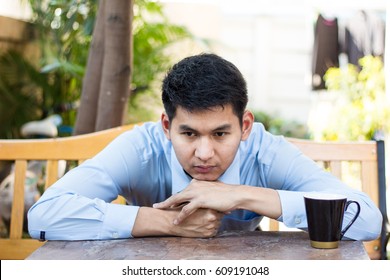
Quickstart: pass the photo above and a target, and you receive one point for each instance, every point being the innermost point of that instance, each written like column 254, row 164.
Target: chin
column 205, row 177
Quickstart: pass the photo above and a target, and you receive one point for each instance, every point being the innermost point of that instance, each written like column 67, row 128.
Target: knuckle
column 211, row 212
column 214, row 216
column 210, row 227
column 186, row 210
column 211, row 218
column 209, row 233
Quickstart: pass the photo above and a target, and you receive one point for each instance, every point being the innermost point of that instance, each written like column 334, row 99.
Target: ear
column 247, row 123
column 165, row 125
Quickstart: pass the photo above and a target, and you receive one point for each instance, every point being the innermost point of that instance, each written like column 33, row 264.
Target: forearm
column 152, row 222
column 223, row 198
column 260, row 200
column 63, row 215
column 159, row 222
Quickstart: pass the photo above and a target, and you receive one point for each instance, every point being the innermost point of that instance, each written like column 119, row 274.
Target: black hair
column 202, row 82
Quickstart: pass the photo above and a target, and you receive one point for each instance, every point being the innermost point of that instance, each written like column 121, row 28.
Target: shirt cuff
column 293, row 209
column 119, row 221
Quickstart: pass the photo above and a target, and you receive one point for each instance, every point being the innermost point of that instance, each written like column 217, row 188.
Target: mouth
column 203, row 169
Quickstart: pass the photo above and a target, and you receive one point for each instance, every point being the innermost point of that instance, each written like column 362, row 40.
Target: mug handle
column 354, row 218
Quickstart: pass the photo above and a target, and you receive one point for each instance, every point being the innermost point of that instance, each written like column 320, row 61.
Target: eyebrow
column 223, row 127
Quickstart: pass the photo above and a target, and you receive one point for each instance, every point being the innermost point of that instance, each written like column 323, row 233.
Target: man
column 204, row 168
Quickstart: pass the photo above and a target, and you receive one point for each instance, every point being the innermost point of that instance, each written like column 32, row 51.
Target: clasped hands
column 203, row 203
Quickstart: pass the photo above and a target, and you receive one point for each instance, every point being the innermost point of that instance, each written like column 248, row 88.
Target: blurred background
column 315, row 69
column 284, row 49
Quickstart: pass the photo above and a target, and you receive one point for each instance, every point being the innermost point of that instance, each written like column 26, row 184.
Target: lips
column 203, row 169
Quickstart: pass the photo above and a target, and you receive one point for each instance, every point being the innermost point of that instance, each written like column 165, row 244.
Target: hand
column 201, row 223
column 159, row 222
column 201, row 194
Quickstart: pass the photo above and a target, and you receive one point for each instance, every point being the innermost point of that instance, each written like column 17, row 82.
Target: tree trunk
column 115, row 82
column 87, row 112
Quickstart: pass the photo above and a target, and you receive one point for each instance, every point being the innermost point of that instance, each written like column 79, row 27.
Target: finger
column 212, row 216
column 186, row 211
column 217, row 215
column 172, row 201
column 165, row 204
column 179, row 206
column 210, row 232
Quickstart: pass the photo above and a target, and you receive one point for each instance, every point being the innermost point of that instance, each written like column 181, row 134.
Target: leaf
column 51, row 67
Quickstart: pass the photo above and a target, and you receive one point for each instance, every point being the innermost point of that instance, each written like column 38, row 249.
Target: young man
column 204, row 168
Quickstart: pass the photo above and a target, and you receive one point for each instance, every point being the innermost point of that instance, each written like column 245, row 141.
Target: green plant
column 150, row 60
column 31, row 89
column 69, row 24
column 21, row 85
column 279, row 126
column 362, row 109
column 151, row 38
column 64, row 29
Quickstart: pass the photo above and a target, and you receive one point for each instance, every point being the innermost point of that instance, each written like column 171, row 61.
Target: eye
column 220, row 134
column 188, row 133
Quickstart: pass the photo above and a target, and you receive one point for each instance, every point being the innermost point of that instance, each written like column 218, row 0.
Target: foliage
column 64, row 30
column 279, row 126
column 52, row 84
column 19, row 93
column 362, row 110
column 150, row 40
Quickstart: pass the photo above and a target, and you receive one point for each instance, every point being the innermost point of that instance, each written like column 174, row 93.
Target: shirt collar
column 180, row 179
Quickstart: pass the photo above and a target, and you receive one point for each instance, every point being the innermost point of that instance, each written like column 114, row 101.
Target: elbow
column 373, row 225
column 45, row 214
column 35, row 222
column 377, row 224
column 367, row 227
column 39, row 218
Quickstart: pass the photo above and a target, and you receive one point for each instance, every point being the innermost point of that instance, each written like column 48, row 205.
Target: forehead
column 205, row 119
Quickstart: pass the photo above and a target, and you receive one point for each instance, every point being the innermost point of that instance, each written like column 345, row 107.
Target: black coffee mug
column 325, row 214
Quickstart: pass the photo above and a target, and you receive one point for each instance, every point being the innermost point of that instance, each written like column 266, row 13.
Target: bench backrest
column 73, row 148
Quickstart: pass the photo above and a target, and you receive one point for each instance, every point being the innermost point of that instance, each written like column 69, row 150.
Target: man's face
column 206, row 142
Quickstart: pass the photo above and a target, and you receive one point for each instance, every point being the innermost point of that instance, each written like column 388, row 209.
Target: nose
column 204, row 150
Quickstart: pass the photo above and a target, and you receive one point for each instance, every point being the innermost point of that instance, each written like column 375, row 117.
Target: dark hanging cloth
column 364, row 35
column 325, row 51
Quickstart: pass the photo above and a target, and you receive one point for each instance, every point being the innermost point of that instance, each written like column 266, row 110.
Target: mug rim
column 324, row 196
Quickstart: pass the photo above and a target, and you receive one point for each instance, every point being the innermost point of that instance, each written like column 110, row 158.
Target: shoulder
column 146, row 140
column 266, row 145
column 260, row 139
column 146, row 133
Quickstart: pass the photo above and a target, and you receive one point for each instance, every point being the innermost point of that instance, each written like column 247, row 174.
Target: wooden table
column 264, row 245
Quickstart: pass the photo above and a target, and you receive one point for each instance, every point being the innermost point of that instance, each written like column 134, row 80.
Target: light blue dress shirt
column 141, row 165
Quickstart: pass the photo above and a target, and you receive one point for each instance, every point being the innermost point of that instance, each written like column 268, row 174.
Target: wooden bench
column 332, row 155
column 73, row 148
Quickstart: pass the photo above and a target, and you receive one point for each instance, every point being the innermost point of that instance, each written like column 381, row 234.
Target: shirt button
column 115, row 235
column 297, row 220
